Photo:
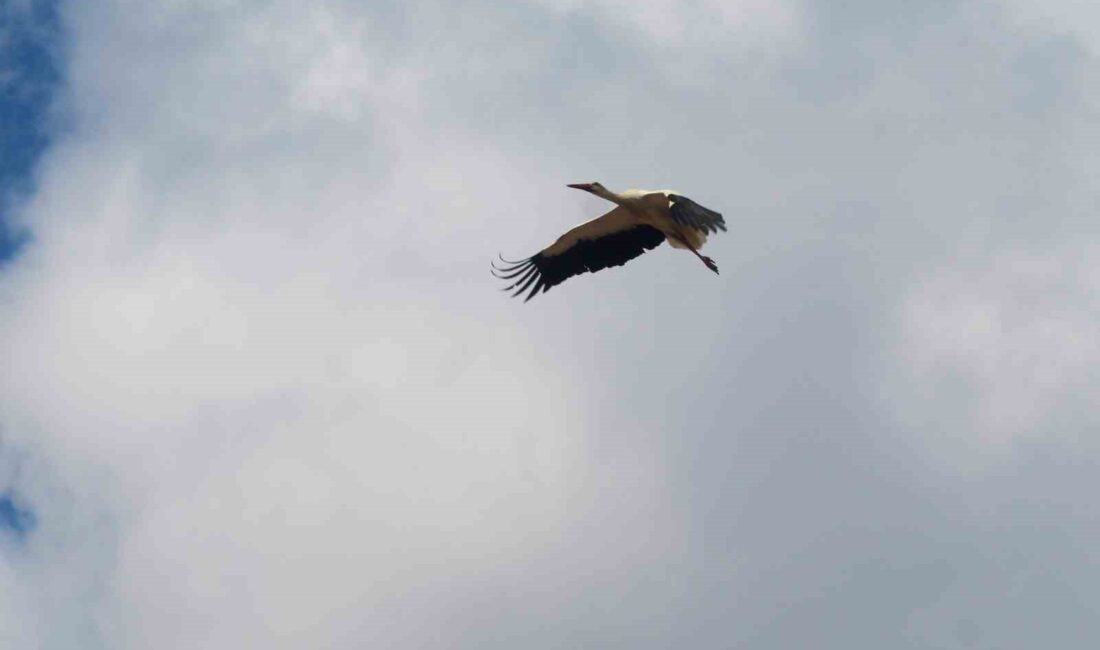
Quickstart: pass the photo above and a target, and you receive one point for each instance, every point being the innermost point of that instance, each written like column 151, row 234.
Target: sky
column 260, row 390
column 29, row 64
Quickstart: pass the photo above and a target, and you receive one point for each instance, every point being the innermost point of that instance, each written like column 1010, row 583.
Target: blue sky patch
column 15, row 518
column 29, row 76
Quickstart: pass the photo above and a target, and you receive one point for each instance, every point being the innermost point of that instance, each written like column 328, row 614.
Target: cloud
column 714, row 25
column 1012, row 342
column 1072, row 18
column 266, row 392
column 262, row 337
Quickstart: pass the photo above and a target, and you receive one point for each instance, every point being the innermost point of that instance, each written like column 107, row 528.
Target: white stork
column 641, row 220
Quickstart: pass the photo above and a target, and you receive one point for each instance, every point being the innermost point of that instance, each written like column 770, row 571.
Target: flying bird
column 640, row 221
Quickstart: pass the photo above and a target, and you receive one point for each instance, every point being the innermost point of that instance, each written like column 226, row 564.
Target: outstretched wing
column 610, row 240
column 686, row 212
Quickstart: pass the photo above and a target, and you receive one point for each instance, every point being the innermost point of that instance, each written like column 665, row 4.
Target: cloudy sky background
column 259, row 389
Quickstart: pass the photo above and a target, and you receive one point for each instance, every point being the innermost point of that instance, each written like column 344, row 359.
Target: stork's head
column 594, row 188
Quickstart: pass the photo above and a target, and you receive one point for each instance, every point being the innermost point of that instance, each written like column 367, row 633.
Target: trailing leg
column 706, row 260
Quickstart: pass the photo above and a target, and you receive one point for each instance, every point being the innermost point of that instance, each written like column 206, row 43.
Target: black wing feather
column 689, row 213
column 540, row 272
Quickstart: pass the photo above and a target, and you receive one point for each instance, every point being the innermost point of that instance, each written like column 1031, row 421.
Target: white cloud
column 1079, row 19
column 712, row 24
column 17, row 620
column 269, row 394
column 251, row 360
column 1011, row 340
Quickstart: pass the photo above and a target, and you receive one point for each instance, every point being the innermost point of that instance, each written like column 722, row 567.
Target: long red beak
column 580, row 186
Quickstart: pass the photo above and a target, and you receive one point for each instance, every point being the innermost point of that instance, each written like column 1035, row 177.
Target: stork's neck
column 605, row 193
